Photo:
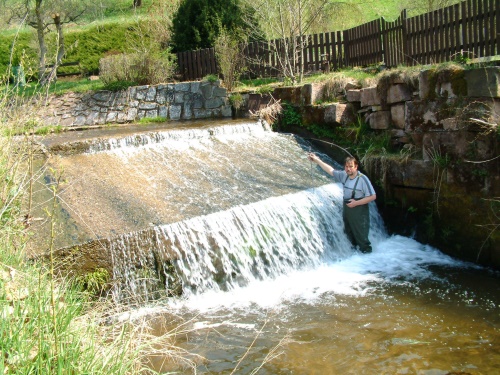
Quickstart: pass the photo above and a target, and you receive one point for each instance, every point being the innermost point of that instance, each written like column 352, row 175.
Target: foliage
column 230, row 57
column 198, row 23
column 136, row 67
column 290, row 116
column 257, row 82
column 92, row 44
column 159, row 24
column 119, row 85
column 44, row 130
column 212, row 78
column 265, row 90
column 288, row 23
column 86, row 46
column 94, row 282
column 440, row 160
column 336, row 85
column 60, row 87
column 48, row 325
column 150, row 120
column 236, row 100
column 416, row 7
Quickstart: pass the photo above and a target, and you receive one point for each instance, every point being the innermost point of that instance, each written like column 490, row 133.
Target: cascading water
column 253, row 233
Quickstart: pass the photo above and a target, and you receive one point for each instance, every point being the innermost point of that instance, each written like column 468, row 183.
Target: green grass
column 51, row 324
column 60, row 87
column 46, row 324
column 152, row 120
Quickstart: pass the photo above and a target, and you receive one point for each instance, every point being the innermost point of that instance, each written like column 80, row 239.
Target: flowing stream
column 270, row 282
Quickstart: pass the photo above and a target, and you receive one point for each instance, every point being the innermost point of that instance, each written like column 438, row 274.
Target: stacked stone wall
column 443, row 185
column 175, row 101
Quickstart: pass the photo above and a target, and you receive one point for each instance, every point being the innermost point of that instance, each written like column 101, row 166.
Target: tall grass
column 48, row 323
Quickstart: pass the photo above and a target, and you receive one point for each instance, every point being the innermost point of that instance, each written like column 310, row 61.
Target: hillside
column 114, row 26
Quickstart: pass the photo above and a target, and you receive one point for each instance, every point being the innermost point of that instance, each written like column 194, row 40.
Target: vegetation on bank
column 52, row 323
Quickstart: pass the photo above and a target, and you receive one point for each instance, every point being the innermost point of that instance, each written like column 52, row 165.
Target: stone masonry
column 173, row 101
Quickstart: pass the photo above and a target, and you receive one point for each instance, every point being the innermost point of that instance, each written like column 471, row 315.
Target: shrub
column 236, row 100
column 290, row 116
column 140, row 68
column 230, row 58
column 212, row 78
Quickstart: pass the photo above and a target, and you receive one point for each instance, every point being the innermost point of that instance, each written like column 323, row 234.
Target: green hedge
column 91, row 45
column 22, row 46
column 87, row 46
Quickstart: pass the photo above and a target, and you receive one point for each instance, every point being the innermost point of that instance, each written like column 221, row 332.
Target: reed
column 49, row 323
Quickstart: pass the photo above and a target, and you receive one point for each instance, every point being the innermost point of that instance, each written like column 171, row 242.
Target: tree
column 426, row 6
column 159, row 25
column 289, row 21
column 48, row 16
column 230, row 57
column 198, row 23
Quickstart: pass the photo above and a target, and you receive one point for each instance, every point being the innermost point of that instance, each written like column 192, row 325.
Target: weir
column 229, row 227
column 190, row 208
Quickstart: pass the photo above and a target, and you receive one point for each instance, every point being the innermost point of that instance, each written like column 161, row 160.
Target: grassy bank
column 53, row 324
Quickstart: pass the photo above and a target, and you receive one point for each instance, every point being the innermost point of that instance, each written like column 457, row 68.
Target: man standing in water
column 358, row 192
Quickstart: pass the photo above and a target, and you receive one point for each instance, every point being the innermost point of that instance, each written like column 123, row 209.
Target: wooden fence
column 470, row 28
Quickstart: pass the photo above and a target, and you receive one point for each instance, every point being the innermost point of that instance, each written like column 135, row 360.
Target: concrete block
column 446, row 90
column 483, row 82
column 339, row 113
column 398, row 93
column 424, row 84
column 311, row 93
column 380, row 120
column 398, row 115
column 369, row 96
column 353, row 95
column 352, row 86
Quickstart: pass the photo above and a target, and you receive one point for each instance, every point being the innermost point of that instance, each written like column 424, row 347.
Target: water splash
column 235, row 247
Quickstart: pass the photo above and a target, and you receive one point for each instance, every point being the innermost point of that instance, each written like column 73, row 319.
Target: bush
column 140, row 68
column 230, row 57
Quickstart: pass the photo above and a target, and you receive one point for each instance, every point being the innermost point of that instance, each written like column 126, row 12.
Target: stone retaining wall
column 443, row 185
column 176, row 101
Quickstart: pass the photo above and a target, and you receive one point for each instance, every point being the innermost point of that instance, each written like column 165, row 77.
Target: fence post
column 404, row 39
column 497, row 17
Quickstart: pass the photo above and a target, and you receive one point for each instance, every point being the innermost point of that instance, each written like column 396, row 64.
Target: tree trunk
column 41, row 39
column 51, row 76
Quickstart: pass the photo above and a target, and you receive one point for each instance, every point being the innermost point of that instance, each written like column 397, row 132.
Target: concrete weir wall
column 175, row 101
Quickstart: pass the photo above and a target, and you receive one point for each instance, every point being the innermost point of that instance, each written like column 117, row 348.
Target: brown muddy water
column 271, row 284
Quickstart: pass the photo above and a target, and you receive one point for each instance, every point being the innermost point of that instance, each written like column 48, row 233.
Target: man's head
column 351, row 166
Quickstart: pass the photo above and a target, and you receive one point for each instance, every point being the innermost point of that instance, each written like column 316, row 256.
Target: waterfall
column 232, row 248
column 182, row 134
column 196, row 209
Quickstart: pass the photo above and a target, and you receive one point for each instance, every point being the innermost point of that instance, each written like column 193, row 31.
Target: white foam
column 394, row 259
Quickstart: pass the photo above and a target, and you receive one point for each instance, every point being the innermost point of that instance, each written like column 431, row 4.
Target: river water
column 271, row 284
